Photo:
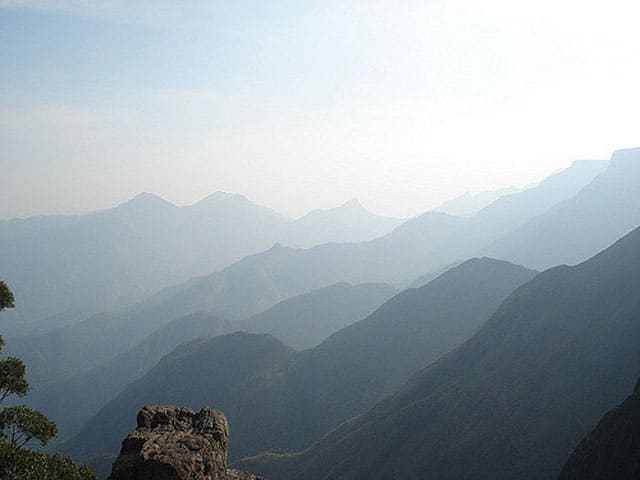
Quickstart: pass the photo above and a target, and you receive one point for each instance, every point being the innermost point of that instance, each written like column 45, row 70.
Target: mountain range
column 296, row 329
column 113, row 258
column 289, row 399
column 305, row 320
column 582, row 225
column 513, row 400
column 258, row 282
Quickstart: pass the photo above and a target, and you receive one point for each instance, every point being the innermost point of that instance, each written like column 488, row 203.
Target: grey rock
column 176, row 443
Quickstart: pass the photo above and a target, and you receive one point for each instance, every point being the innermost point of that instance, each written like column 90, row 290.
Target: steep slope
column 70, row 403
column 575, row 229
column 305, row 320
column 347, row 223
column 510, row 402
column 612, row 449
column 319, row 388
column 235, row 372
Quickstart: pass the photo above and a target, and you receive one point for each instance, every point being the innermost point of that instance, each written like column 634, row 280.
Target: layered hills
column 104, row 260
column 424, row 244
column 582, row 225
column 513, row 400
column 277, row 398
column 304, row 320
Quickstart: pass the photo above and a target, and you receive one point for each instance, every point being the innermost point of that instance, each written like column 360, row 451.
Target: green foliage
column 20, row 425
column 62, row 467
column 7, row 299
column 12, row 381
column 21, row 464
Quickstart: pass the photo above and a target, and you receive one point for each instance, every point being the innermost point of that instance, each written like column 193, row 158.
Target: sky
column 302, row 105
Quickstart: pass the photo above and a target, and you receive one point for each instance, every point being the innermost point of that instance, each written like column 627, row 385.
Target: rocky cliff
column 176, row 443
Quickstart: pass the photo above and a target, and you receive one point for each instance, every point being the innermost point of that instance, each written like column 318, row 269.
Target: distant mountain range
column 138, row 304
column 468, row 204
column 256, row 283
column 424, row 244
column 290, row 399
column 105, row 260
column 582, row 225
column 513, row 400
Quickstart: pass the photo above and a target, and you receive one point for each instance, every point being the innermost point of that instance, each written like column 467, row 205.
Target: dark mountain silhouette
column 306, row 320
column 513, row 400
column 315, row 390
column 575, row 229
column 612, row 449
column 104, row 260
column 73, row 401
column 235, row 372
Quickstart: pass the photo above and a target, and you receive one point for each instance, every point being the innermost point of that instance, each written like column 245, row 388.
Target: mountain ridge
column 513, row 399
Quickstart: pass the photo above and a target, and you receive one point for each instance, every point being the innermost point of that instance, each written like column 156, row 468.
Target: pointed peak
column 353, row 203
column 146, row 200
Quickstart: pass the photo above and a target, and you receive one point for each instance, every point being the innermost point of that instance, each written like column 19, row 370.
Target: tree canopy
column 7, row 299
column 19, row 425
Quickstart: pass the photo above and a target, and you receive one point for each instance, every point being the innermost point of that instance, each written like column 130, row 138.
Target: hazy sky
column 305, row 104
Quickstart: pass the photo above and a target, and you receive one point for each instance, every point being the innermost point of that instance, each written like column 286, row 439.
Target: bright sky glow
column 302, row 105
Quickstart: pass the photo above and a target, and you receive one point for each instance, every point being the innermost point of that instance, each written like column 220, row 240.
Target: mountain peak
column 220, row 196
column 354, row 203
column 146, row 200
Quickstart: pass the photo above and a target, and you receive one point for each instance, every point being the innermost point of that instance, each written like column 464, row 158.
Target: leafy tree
column 12, row 381
column 6, row 297
column 20, row 425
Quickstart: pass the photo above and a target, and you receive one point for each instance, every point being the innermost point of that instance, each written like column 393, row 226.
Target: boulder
column 176, row 443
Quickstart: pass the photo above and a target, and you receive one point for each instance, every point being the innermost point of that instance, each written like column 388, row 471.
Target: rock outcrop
column 176, row 443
